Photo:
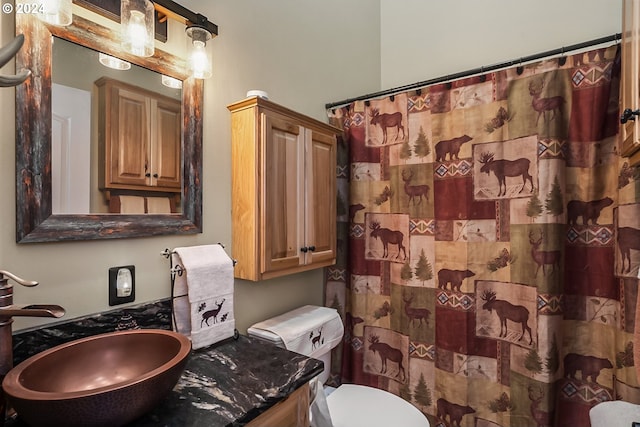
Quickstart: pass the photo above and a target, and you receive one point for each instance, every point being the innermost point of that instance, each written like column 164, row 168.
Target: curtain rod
column 560, row 51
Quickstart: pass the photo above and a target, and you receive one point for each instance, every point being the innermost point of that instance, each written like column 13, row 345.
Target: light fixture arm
column 180, row 13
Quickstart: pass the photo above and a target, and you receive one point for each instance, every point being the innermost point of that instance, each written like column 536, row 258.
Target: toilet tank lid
column 310, row 330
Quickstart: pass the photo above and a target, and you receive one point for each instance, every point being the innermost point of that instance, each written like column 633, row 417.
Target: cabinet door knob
column 312, row 248
column 147, row 175
column 155, row 175
column 304, row 249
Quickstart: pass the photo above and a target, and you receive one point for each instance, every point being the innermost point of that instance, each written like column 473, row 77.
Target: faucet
column 8, row 310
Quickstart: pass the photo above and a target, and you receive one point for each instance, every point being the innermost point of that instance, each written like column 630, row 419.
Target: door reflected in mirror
column 78, row 127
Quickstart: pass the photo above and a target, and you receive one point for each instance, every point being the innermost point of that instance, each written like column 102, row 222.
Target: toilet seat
column 361, row 406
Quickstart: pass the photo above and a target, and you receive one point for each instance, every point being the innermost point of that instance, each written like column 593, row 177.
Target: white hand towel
column 306, row 329
column 203, row 294
column 209, row 270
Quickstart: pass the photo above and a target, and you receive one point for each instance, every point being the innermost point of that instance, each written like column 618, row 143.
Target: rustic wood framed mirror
column 35, row 221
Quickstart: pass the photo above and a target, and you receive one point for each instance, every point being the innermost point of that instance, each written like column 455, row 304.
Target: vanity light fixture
column 113, row 62
column 199, row 57
column 54, row 12
column 171, row 82
column 137, row 20
column 199, row 31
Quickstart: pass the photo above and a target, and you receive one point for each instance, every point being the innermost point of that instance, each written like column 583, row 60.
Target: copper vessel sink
column 104, row 380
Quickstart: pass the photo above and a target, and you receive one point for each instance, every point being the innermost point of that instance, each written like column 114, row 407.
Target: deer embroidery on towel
column 317, row 340
column 211, row 313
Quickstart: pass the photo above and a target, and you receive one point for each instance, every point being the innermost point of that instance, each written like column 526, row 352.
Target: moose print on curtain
column 489, row 246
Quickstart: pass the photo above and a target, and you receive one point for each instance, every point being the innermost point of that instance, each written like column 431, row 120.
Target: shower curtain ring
column 563, row 59
column 483, row 78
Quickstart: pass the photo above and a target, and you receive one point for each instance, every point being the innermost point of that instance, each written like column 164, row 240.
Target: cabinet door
column 129, row 149
column 166, row 145
column 629, row 88
column 292, row 412
column 282, row 194
column 320, row 202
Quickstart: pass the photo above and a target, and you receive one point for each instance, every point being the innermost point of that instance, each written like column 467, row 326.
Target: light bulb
column 200, row 64
column 171, row 82
column 113, row 62
column 137, row 33
column 199, row 58
column 124, row 281
column 56, row 12
column 137, row 20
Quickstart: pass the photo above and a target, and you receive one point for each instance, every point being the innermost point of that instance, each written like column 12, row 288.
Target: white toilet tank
column 314, row 331
column 309, row 330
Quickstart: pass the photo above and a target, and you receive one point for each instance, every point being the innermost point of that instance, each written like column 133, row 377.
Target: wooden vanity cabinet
column 291, row 412
column 139, row 134
column 283, row 190
column 630, row 81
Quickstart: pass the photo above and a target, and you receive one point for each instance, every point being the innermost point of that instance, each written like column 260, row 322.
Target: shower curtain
column 487, row 262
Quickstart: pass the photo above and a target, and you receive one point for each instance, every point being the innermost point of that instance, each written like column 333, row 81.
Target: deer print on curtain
column 490, row 246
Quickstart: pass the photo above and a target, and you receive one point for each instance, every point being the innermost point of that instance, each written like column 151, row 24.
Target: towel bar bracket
column 177, row 269
column 167, row 253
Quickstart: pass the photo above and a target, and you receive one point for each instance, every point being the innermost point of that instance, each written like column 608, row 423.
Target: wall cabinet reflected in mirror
column 138, row 141
column 112, row 130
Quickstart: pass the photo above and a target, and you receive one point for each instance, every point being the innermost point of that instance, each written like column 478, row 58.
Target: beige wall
column 305, row 54
column 422, row 40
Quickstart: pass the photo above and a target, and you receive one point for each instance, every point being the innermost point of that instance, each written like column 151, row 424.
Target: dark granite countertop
column 231, row 383
column 227, row 384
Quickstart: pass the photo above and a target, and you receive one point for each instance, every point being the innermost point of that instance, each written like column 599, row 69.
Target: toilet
column 314, row 331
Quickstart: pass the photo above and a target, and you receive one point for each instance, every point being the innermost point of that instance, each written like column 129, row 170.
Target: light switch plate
column 114, row 299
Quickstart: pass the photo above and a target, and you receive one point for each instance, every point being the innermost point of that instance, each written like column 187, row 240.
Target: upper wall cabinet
column 283, row 190
column 630, row 85
column 139, row 137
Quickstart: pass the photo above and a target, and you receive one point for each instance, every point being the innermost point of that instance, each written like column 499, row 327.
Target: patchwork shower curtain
column 488, row 246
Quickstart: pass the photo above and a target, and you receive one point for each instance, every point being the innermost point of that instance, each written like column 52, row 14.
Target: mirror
column 76, row 159
column 35, row 220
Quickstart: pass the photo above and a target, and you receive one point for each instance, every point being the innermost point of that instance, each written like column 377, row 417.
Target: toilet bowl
column 361, row 406
column 314, row 331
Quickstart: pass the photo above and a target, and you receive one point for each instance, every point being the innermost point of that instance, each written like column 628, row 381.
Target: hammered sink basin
column 105, row 380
